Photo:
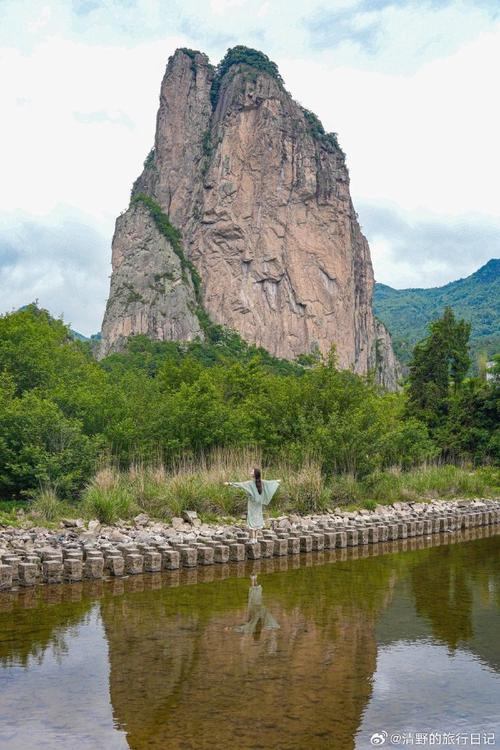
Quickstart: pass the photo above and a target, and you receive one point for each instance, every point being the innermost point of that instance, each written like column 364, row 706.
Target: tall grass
column 47, row 506
column 108, row 497
column 430, row 482
column 303, row 489
column 198, row 484
column 193, row 484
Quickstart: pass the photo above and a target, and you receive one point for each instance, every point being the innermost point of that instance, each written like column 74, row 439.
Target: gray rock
column 191, row 517
column 68, row 523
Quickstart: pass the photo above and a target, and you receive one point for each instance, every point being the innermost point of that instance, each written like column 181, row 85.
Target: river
column 391, row 646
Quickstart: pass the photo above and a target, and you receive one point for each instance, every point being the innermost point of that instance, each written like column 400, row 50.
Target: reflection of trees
column 444, row 581
column 443, row 595
column 482, row 562
column 28, row 632
column 182, row 675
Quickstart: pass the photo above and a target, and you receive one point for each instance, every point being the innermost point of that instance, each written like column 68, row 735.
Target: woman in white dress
column 259, row 492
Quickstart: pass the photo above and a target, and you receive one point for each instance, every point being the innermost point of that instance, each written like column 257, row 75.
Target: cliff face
column 149, row 292
column 261, row 197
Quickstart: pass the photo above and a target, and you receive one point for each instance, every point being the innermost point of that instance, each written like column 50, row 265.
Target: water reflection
column 259, row 618
column 310, row 655
column 181, row 670
column 36, row 621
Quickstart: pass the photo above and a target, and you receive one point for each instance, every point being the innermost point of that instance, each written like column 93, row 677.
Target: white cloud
column 426, row 141
column 62, row 260
column 413, row 102
column 89, row 165
column 425, row 249
column 222, row 6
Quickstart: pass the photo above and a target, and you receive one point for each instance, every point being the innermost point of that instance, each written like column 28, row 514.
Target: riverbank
column 78, row 551
column 114, row 496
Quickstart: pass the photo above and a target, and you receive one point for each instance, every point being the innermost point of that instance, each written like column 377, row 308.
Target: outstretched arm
column 239, row 485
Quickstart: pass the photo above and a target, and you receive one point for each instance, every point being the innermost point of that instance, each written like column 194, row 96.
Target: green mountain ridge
column 476, row 298
column 407, row 312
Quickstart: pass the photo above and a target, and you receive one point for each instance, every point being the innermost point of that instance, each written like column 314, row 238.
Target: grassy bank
column 199, row 485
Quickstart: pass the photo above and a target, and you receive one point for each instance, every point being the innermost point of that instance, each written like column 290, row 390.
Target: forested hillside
column 407, row 312
column 62, row 413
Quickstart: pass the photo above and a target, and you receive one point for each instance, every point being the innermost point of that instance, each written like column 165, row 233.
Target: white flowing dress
column 255, row 518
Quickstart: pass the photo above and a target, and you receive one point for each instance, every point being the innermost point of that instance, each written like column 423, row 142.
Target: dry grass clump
column 46, row 505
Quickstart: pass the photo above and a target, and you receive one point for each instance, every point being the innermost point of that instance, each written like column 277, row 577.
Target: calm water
column 322, row 653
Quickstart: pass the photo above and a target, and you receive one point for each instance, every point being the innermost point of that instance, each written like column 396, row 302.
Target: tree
column 439, row 366
column 39, row 445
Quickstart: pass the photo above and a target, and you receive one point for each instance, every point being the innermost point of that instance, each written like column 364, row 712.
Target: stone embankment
column 35, row 556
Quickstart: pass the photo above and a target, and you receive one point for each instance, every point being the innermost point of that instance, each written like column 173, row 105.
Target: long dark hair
column 258, row 480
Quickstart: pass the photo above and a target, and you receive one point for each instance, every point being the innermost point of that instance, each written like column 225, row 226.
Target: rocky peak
column 172, row 170
column 260, row 195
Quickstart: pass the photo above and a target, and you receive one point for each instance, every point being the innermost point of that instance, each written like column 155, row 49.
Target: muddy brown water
column 394, row 645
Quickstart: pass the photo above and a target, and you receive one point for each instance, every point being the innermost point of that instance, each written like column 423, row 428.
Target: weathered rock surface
column 149, row 293
column 264, row 208
column 382, row 361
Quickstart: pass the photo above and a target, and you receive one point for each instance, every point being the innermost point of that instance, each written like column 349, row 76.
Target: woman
column 259, row 492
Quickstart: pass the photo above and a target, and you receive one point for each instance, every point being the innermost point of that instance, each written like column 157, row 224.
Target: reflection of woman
column 259, row 617
column 259, row 492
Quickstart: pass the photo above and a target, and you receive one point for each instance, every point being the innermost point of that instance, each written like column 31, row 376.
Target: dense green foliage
column 60, row 409
column 189, row 52
column 460, row 414
column 408, row 312
column 242, row 55
column 438, row 366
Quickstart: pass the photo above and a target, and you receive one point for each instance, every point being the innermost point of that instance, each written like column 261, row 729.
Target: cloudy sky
column 410, row 86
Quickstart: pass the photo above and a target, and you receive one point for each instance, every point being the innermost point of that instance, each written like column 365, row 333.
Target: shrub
column 108, row 498
column 317, row 130
column 150, row 159
column 238, row 55
column 344, row 489
column 382, row 486
column 46, row 505
column 408, row 444
column 190, row 52
column 39, row 445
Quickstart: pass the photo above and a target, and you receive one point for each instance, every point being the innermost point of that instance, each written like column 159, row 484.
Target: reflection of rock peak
column 261, row 196
column 184, row 675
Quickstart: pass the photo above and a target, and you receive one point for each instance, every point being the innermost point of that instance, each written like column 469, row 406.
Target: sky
column 410, row 86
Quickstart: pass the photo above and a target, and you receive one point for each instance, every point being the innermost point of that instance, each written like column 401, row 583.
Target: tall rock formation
column 260, row 194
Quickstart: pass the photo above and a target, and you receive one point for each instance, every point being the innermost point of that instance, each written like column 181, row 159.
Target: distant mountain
column 80, row 337
column 407, row 312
